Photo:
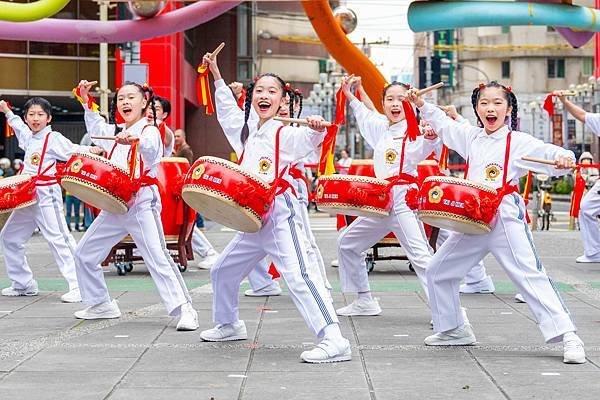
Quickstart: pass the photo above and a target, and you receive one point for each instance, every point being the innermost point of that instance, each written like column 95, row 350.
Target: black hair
column 145, row 90
column 287, row 91
column 298, row 98
column 38, row 101
column 166, row 105
column 394, row 83
column 510, row 97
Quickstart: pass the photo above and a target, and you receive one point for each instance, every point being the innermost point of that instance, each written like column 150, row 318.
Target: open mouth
column 126, row 111
column 396, row 113
column 264, row 105
column 491, row 119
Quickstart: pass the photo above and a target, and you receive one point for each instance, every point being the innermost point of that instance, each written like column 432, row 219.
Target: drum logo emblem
column 264, row 165
column 492, row 171
column 390, row 156
column 320, row 191
column 76, row 166
column 35, row 159
column 198, row 171
column 435, row 194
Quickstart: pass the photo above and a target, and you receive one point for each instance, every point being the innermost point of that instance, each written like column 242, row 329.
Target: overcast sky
column 383, row 20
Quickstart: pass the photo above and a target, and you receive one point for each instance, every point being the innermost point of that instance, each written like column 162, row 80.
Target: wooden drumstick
column 298, row 121
column 569, row 93
column 430, row 88
column 540, row 161
column 217, row 51
column 132, row 140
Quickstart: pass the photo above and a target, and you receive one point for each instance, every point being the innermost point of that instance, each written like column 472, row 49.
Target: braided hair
column 298, row 98
column 287, row 91
column 146, row 92
column 510, row 97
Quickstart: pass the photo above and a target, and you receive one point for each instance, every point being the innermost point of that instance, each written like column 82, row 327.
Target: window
column 587, row 66
column 506, row 29
column 505, row 69
column 556, row 68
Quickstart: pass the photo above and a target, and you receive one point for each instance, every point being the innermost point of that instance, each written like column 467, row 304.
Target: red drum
column 362, row 168
column 361, row 196
column 225, row 193
column 427, row 168
column 457, row 204
column 171, row 172
column 98, row 181
column 16, row 192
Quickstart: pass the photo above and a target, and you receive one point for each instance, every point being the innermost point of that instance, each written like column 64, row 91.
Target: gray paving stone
column 209, row 357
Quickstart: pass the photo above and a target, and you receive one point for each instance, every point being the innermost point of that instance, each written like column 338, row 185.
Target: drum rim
column 102, row 160
column 353, row 178
column 175, row 159
column 14, row 180
column 345, row 206
column 191, row 187
column 22, row 205
column 96, row 187
column 455, row 217
column 462, row 182
column 235, row 167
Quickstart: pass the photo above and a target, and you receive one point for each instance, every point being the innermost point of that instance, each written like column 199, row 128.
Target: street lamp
column 461, row 65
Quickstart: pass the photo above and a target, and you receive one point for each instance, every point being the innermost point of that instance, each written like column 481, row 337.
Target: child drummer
column 493, row 152
column 43, row 148
column 396, row 155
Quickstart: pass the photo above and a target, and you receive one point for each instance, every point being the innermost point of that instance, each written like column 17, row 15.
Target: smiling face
column 36, row 118
column 392, row 103
column 131, row 103
column 284, row 110
column 267, row 97
column 493, row 108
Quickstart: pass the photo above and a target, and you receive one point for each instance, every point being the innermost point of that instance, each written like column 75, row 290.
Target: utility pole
column 428, row 70
column 104, row 63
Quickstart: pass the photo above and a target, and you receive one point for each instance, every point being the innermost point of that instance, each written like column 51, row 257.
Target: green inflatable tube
column 25, row 12
column 438, row 15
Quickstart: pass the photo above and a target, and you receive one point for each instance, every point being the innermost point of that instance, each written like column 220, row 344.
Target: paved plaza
column 45, row 353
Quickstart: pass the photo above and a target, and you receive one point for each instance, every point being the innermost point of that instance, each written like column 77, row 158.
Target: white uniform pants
column 48, row 215
column 143, row 223
column 260, row 278
column 200, row 244
column 588, row 222
column 475, row 274
column 282, row 238
column 364, row 232
column 510, row 241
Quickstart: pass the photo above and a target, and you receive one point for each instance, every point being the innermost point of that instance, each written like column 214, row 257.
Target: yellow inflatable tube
column 25, row 12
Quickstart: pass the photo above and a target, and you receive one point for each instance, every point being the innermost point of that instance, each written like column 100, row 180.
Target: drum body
column 225, row 193
column 427, row 168
column 354, row 195
column 457, row 204
column 16, row 192
column 98, row 181
column 362, row 168
column 170, row 176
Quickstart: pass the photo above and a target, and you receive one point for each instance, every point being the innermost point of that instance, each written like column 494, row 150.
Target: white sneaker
column 106, row 310
column 225, row 332
column 485, row 286
column 573, row 349
column 272, row 290
column 328, row 351
column 586, row 259
column 208, row 260
column 361, row 306
column 335, row 263
column 461, row 336
column 519, row 298
column 189, row 318
column 32, row 290
column 72, row 296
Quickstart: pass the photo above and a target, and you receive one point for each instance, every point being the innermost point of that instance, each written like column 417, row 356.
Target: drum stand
column 122, row 254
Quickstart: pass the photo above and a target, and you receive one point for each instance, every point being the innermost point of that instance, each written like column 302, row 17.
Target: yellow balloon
column 25, row 12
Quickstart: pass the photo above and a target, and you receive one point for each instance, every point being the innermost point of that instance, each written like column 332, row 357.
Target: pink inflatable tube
column 84, row 31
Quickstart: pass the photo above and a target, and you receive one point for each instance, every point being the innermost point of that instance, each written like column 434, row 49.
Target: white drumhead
column 93, row 196
column 221, row 209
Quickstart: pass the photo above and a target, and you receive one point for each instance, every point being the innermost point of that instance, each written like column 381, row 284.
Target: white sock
column 332, row 331
column 365, row 295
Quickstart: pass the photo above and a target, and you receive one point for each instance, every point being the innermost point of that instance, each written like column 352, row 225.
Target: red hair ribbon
column 509, row 89
column 288, row 87
column 297, row 91
column 481, row 86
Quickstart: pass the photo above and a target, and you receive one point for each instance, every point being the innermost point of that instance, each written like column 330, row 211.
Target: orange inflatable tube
column 347, row 54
